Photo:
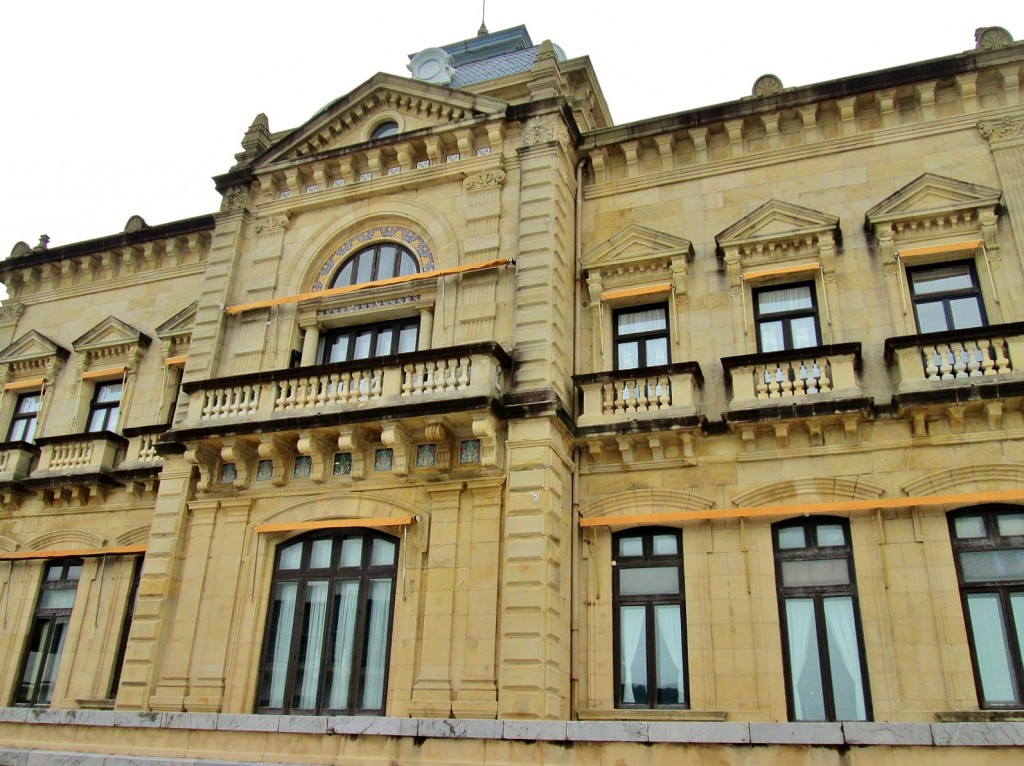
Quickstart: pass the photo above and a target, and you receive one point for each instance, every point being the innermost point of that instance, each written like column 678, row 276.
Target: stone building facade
column 474, row 428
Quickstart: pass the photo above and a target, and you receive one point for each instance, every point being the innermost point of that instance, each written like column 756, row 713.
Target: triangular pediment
column 30, row 347
column 635, row 244
column 777, row 221
column 179, row 324
column 415, row 105
column 110, row 334
column 932, row 196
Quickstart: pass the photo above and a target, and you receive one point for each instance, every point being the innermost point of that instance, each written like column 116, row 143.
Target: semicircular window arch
column 381, row 260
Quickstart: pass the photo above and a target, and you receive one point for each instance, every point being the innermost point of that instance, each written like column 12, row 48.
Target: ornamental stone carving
column 234, row 199
column 20, row 249
column 1007, row 127
column 273, row 224
column 489, row 180
column 11, row 312
column 541, row 131
column 135, row 223
column 990, row 38
column 766, row 85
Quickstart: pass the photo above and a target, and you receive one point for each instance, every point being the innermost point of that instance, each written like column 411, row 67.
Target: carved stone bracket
column 243, row 454
column 485, row 428
column 397, row 438
column 207, row 458
column 320, row 448
column 439, row 434
column 353, row 440
column 280, row 452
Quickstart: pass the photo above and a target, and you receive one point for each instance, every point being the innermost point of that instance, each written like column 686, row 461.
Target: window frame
column 373, row 251
column 18, row 418
column 334, row 573
column 945, row 297
column 96, row 407
column 328, row 338
column 649, row 601
column 641, row 337
column 786, row 317
column 818, row 593
column 1004, row 589
column 36, row 692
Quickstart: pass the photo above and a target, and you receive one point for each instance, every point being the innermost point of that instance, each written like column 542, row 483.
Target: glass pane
column 344, row 275
column 97, row 421
column 112, row 415
column 384, row 338
column 785, row 299
column 631, row 546
column 407, row 265
column 629, row 355
column 108, row 392
column 798, row 574
column 792, row 537
column 666, row 545
column 931, row 317
column 364, row 267
column 386, row 262
column 668, row 655
column 310, row 660
column 771, row 336
column 990, row 648
column 338, row 348
column 351, row 551
column 275, row 664
column 28, row 403
column 40, row 639
column 982, row 566
column 342, row 638
column 644, row 320
column 967, row 527
column 650, row 581
column 844, row 659
column 362, row 345
column 51, row 660
column 657, row 351
column 407, row 339
column 804, row 662
column 374, row 668
column 291, row 557
column 54, row 572
column 942, row 279
column 966, row 313
column 383, row 553
column 1017, row 610
column 320, row 554
column 830, row 534
column 58, row 598
column 633, row 655
column 74, row 572
column 805, row 334
column 1010, row 524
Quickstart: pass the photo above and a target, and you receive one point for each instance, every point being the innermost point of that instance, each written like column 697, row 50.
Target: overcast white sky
column 109, row 109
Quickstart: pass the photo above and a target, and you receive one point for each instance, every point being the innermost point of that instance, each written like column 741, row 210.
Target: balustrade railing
column 609, row 397
column 793, row 375
column 957, row 357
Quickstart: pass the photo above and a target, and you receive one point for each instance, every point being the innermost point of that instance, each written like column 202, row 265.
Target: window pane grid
column 641, row 337
column 946, row 297
column 786, row 317
column 382, row 261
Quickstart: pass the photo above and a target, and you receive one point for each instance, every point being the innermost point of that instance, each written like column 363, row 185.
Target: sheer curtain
column 670, row 638
column 800, row 628
column 285, row 603
column 842, row 632
column 631, row 619
column 377, row 643
column 990, row 644
column 346, row 603
column 312, row 653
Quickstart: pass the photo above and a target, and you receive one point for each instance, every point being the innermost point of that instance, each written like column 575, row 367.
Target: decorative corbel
column 437, row 433
column 485, row 428
column 280, row 452
column 353, row 440
column 732, row 270
column 320, row 448
column 243, row 455
column 395, row 436
column 680, row 275
column 206, row 457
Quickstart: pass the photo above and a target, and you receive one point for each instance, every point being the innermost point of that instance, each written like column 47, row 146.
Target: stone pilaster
column 1006, row 139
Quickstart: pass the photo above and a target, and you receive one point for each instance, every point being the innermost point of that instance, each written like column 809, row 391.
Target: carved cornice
column 1002, row 129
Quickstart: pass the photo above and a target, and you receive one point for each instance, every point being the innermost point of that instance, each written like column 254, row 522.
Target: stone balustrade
column 782, row 377
column 956, row 358
column 80, row 453
column 611, row 397
column 17, row 460
column 446, row 373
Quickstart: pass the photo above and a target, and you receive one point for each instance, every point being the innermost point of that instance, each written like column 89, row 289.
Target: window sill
column 651, row 714
column 979, row 716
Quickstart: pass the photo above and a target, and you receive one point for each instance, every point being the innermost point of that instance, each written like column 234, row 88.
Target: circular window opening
column 385, row 130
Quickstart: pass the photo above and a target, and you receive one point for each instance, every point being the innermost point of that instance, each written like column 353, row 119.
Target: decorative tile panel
column 264, row 470
column 426, row 455
column 303, row 467
column 342, row 463
column 228, row 473
column 469, row 451
column 383, row 460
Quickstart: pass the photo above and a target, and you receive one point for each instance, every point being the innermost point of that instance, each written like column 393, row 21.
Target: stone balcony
column 17, row 460
column 614, row 399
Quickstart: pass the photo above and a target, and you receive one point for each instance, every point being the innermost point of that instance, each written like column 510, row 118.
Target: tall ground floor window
column 49, row 630
column 328, row 632
column 649, row 621
column 988, row 543
column 822, row 639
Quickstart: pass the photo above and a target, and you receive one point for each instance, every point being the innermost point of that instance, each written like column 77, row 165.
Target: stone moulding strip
column 390, row 521
column 120, row 550
column 789, row 509
column 961, row 734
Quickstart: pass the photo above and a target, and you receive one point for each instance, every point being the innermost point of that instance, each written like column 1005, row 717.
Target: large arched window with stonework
column 328, row 633
column 383, row 260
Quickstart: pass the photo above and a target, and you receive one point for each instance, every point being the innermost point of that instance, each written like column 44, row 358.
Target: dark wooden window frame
column 648, row 559
column 29, row 693
column 812, row 552
column 96, row 406
column 786, row 317
column 992, row 541
column 945, row 297
column 339, row 279
column 302, row 575
column 126, row 625
column 328, row 338
column 22, row 419
column 642, row 337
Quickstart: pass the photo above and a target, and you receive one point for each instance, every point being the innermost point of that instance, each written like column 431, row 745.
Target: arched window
column 49, row 630
column 988, row 543
column 649, row 619
column 381, row 261
column 328, row 632
column 384, row 130
column 821, row 633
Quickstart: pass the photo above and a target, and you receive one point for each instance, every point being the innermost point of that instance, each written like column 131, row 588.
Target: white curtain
column 377, row 643
column 990, row 644
column 282, row 642
column 670, row 638
column 800, row 628
column 785, row 299
column 631, row 624
column 842, row 632
column 347, row 600
column 312, row 653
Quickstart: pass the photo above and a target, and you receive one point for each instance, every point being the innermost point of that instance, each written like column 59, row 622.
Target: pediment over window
column 350, row 119
column 33, row 355
column 933, row 206
column 111, row 343
column 779, row 231
column 638, row 255
column 176, row 332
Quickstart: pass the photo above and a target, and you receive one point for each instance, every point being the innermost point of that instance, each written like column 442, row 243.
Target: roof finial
column 483, row 27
